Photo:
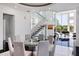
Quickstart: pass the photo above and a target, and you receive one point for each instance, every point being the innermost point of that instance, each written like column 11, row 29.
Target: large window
column 71, row 17
column 66, row 19
column 62, row 19
column 58, row 19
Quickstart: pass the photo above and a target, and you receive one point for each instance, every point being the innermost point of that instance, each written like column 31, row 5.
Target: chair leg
column 68, row 43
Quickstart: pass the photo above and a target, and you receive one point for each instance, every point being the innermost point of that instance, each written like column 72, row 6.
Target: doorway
column 8, row 26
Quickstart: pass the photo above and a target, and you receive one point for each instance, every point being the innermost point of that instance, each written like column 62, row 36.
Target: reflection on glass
column 64, row 19
column 71, row 21
column 71, row 15
column 58, row 19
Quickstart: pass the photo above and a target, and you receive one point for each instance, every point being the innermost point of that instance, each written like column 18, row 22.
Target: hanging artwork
column 50, row 26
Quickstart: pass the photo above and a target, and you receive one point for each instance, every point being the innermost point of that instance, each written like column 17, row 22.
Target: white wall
column 28, row 23
column 77, row 27
column 1, row 29
column 20, row 19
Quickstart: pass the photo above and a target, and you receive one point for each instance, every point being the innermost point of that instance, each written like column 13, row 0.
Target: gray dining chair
column 19, row 49
column 42, row 49
column 11, row 49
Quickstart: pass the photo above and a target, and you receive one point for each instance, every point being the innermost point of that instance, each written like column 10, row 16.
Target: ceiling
column 56, row 7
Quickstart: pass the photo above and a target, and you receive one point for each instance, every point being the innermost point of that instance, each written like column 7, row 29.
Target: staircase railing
column 40, row 23
column 41, row 16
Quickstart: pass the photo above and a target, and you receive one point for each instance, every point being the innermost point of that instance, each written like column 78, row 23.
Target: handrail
column 41, row 16
column 40, row 23
column 44, row 19
column 37, row 25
